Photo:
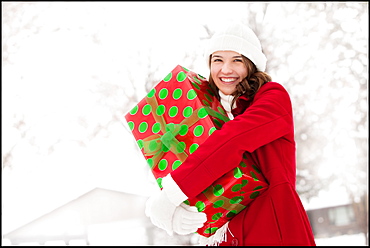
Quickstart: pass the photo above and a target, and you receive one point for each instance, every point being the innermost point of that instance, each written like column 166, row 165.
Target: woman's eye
column 217, row 60
column 238, row 60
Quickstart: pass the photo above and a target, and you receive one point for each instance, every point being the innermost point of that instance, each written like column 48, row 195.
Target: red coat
column 264, row 128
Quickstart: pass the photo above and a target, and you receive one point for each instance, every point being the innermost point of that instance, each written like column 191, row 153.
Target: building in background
column 345, row 219
column 99, row 216
column 108, row 217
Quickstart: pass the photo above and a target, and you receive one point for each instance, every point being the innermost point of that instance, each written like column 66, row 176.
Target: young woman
column 262, row 124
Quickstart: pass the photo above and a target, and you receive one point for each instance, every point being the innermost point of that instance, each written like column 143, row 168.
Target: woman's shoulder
column 272, row 84
column 274, row 87
column 274, row 93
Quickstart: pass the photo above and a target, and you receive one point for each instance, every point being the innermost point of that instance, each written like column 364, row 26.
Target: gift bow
column 157, row 144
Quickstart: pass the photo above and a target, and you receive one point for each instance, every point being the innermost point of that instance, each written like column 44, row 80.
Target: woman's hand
column 160, row 210
column 181, row 219
column 187, row 219
column 167, row 211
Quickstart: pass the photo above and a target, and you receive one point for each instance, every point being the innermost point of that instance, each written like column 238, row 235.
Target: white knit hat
column 238, row 38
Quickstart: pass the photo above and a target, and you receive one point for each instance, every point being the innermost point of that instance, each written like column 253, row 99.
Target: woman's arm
column 268, row 118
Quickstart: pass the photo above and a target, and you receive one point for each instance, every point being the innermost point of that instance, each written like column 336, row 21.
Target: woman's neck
column 226, row 101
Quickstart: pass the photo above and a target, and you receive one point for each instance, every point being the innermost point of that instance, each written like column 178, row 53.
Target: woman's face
column 227, row 70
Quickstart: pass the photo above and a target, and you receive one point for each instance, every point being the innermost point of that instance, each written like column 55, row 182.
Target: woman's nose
column 226, row 68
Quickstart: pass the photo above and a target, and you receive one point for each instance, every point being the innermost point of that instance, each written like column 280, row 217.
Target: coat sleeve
column 268, row 118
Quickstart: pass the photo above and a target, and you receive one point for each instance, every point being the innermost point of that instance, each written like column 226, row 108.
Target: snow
column 344, row 240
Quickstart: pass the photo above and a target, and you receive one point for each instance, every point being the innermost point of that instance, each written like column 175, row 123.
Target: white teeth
column 227, row 80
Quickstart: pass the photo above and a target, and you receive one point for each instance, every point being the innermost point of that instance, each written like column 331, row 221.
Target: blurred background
column 71, row 171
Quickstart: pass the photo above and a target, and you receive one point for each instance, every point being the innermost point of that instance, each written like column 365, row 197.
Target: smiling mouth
column 228, row 80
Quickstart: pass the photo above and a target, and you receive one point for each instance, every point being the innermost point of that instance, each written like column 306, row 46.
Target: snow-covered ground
column 344, row 240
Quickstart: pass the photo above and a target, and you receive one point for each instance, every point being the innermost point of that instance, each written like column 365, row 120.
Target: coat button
column 234, row 242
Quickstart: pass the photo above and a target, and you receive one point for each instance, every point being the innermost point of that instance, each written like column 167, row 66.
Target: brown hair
column 249, row 85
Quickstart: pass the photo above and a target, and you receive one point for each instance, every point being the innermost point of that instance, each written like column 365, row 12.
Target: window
column 341, row 216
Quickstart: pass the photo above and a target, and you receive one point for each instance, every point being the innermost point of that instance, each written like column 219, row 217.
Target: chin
column 227, row 91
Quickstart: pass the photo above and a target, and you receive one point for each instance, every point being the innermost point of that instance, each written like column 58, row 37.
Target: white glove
column 187, row 219
column 160, row 210
column 161, row 206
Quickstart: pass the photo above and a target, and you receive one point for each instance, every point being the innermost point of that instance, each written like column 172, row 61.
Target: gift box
column 229, row 195
column 171, row 122
column 174, row 118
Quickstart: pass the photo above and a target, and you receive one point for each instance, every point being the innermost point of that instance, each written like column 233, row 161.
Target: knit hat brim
column 250, row 47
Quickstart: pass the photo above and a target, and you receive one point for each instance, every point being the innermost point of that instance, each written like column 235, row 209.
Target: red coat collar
column 242, row 103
